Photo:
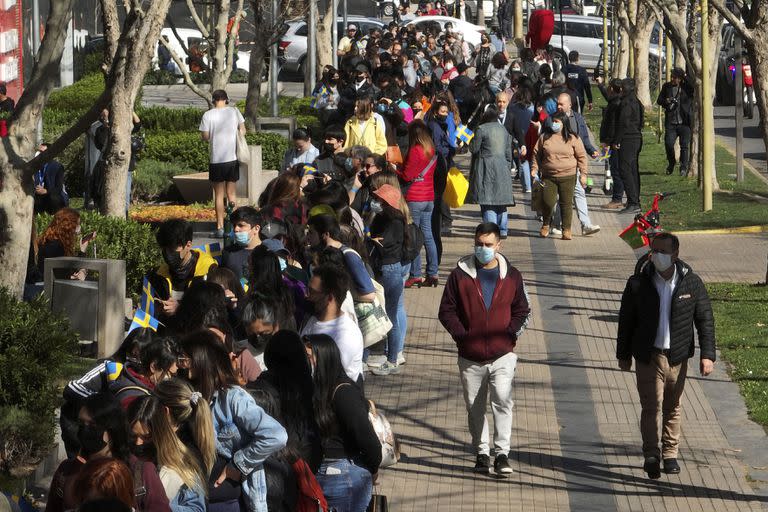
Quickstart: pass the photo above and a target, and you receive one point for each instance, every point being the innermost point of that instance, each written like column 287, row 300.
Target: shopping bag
column 456, row 188
column 537, row 196
column 243, row 152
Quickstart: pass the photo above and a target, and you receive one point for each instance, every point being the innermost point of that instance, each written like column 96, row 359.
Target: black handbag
column 378, row 503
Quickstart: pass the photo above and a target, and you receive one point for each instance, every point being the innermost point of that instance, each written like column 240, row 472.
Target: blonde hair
column 182, row 404
column 390, row 178
column 363, row 109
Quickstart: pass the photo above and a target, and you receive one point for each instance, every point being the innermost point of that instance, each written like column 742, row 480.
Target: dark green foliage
column 170, row 119
column 119, row 239
column 78, row 97
column 35, row 348
column 153, row 180
column 160, row 77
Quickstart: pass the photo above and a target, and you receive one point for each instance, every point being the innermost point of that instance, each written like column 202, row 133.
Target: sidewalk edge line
column 762, row 228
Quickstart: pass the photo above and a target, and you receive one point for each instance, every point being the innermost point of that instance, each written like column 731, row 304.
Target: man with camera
column 675, row 98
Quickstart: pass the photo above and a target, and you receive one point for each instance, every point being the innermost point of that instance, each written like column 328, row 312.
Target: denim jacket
column 246, row 436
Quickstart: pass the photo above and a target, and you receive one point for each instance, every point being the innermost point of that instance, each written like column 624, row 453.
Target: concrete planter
column 194, row 188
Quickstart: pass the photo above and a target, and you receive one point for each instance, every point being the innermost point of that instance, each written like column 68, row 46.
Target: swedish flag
column 464, row 134
column 323, row 91
column 214, row 250
column 147, row 302
column 143, row 319
column 309, row 170
column 244, row 284
column 113, row 370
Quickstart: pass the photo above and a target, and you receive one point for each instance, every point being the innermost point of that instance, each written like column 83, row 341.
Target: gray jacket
column 490, row 178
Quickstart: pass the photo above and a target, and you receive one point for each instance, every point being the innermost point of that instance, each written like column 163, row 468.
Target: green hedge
column 78, row 97
column 153, row 180
column 187, row 149
column 157, row 118
column 119, row 239
column 36, row 346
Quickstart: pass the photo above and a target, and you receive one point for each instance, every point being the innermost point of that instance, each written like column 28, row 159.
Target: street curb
column 748, row 165
column 726, row 231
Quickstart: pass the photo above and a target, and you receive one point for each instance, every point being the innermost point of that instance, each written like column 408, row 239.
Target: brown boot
column 567, row 234
column 613, row 205
column 544, row 231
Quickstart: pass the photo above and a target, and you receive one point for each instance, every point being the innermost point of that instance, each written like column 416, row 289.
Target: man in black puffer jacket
column 661, row 304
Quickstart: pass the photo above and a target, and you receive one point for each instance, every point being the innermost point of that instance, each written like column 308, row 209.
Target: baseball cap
column 274, row 245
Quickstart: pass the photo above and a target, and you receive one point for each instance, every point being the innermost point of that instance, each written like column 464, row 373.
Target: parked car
column 725, row 93
column 470, row 31
column 470, row 10
column 292, row 49
column 193, row 41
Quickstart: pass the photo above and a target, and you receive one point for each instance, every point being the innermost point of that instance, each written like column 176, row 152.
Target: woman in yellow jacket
column 366, row 129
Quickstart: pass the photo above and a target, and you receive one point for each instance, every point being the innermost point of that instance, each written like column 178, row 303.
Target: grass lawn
column 735, row 205
column 741, row 327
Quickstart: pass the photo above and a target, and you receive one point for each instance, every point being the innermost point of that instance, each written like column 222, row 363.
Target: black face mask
column 172, row 258
column 145, row 451
column 259, row 341
column 329, row 148
column 441, row 119
column 91, row 439
column 183, row 373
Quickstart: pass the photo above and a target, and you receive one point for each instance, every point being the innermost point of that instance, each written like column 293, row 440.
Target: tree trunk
column 219, row 72
column 641, row 43
column 15, row 174
column 253, row 97
column 324, row 41
column 139, row 36
column 621, row 63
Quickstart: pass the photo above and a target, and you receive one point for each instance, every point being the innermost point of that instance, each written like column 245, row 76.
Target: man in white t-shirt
column 220, row 126
column 327, row 290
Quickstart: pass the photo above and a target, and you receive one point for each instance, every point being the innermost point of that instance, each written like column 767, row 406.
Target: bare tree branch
column 735, row 22
column 233, row 34
column 196, row 18
column 111, row 24
column 185, row 72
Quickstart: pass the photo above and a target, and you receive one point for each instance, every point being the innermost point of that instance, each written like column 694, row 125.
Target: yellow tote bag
column 456, row 188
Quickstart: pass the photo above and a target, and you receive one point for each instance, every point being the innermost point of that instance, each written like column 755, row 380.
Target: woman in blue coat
column 490, row 178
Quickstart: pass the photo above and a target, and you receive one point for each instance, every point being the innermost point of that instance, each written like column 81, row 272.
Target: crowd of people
column 250, row 393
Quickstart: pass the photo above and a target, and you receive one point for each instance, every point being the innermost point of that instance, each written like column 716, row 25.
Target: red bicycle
column 638, row 234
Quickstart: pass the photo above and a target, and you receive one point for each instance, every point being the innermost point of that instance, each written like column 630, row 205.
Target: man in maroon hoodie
column 485, row 309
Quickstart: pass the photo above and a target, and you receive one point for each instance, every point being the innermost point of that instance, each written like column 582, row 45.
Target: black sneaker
column 632, row 208
column 483, row 463
column 501, row 465
column 651, row 466
column 670, row 169
column 671, row 467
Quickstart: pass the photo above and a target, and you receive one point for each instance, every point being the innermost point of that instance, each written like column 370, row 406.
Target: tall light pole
column 605, row 40
column 707, row 144
column 311, row 63
column 738, row 84
column 335, row 32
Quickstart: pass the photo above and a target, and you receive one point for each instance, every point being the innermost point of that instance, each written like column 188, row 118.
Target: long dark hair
column 329, row 373
column 209, row 365
column 106, row 412
column 202, row 301
column 267, row 279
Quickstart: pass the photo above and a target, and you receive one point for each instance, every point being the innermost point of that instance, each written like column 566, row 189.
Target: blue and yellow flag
column 464, row 134
column 214, row 250
column 309, row 171
column 323, row 91
column 113, row 370
column 148, row 295
column 143, row 319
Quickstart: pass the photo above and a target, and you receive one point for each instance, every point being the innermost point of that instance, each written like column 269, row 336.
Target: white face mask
column 661, row 261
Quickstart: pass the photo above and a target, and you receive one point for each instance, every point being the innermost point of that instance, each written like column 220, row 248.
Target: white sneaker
column 400, row 358
column 386, row 369
column 590, row 230
column 555, row 231
column 376, row 361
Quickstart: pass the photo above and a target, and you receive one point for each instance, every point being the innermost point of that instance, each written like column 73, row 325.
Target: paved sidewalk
column 576, row 439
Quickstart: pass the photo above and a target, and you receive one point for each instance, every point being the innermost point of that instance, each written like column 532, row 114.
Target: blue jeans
column 421, row 211
column 525, row 175
column 346, row 486
column 497, row 215
column 392, row 280
column 128, row 184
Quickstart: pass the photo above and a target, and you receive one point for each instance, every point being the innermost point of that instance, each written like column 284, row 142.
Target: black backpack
column 414, row 243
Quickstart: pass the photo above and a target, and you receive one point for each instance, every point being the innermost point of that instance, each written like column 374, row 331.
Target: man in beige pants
column 661, row 304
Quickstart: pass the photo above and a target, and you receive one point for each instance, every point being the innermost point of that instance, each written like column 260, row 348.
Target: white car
column 470, row 31
column 192, row 38
column 292, row 49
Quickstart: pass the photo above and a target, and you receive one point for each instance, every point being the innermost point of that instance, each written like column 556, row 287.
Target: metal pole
column 659, row 44
column 335, row 32
column 345, row 15
column 562, row 29
column 273, row 68
column 518, row 33
column 614, row 36
column 605, row 39
column 707, row 144
column 309, row 68
column 739, row 95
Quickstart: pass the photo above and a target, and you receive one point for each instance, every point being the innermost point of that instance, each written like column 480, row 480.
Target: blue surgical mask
column 242, row 237
column 484, row 254
column 556, row 127
column 283, row 264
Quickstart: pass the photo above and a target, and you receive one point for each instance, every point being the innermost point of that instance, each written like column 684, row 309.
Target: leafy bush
column 186, row 149
column 160, row 77
column 170, row 119
column 119, row 239
column 30, row 366
column 78, row 97
column 153, row 180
